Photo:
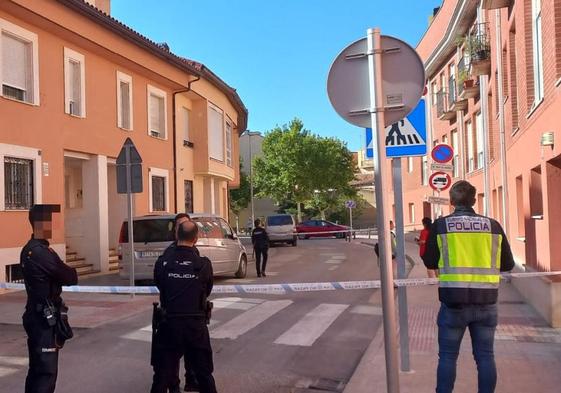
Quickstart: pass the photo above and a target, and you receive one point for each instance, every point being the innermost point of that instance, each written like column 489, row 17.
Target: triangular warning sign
column 403, row 133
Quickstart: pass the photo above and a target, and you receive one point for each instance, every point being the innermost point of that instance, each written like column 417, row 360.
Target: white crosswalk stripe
column 250, row 319
column 306, row 331
column 12, row 364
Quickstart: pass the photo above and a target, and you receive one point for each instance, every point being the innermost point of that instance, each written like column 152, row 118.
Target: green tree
column 301, row 167
column 240, row 197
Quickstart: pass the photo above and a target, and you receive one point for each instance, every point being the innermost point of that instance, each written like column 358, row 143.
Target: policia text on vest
column 469, row 251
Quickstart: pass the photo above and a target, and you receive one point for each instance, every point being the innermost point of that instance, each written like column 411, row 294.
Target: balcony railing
column 451, row 91
column 495, row 4
column 466, row 86
column 479, row 49
column 443, row 110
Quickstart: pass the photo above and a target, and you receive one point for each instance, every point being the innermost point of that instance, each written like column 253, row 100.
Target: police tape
column 372, row 231
column 277, row 289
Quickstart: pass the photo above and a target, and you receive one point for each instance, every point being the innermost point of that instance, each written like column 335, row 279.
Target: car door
column 231, row 244
column 324, row 228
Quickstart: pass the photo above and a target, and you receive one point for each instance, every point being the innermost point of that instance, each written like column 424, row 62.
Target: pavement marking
column 249, row 319
column 339, row 257
column 5, row 371
column 333, row 261
column 367, row 310
column 232, row 304
column 139, row 335
column 333, row 268
column 14, row 360
column 308, row 329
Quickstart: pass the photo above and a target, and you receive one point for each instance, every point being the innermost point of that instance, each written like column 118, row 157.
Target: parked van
column 154, row 233
column 282, row 229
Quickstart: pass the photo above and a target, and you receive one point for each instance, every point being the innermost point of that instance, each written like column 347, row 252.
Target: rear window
column 279, row 220
column 150, row 231
column 209, row 227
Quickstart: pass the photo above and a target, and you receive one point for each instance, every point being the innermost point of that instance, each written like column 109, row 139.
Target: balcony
column 466, row 86
column 455, row 102
column 495, row 4
column 479, row 49
column 444, row 110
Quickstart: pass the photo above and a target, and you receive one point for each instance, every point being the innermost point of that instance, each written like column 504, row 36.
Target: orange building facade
column 75, row 84
column 493, row 71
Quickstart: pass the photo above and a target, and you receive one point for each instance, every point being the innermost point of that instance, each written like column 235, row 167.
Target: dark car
column 321, row 228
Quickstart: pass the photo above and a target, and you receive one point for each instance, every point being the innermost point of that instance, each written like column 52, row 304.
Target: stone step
column 75, row 262
column 84, row 268
column 88, row 272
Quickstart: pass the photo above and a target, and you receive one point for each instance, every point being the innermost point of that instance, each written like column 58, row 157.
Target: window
column 537, row 49
column 188, row 185
column 185, row 116
column 409, row 164
column 433, row 92
column 74, row 83
column 226, row 230
column 229, row 144
column 157, row 119
column 124, row 101
column 479, row 139
column 158, row 189
column 216, row 133
column 425, row 170
column 470, row 147
column 18, row 183
column 19, row 66
column 411, row 213
column 456, row 159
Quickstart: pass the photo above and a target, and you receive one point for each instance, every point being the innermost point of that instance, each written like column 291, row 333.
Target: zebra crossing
column 250, row 313
column 12, row 364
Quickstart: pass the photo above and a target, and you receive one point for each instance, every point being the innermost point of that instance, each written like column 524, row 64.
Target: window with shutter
column 156, row 112
column 75, row 88
column 125, row 105
column 158, row 193
column 229, row 144
column 16, row 68
column 216, row 133
column 188, row 184
column 185, row 118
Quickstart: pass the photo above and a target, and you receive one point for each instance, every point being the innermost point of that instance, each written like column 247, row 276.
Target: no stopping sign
column 440, row 181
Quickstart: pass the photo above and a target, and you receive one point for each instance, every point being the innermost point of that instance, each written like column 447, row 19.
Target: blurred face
column 43, row 230
column 392, row 226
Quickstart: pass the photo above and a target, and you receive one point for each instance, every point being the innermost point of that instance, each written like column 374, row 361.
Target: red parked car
column 320, row 228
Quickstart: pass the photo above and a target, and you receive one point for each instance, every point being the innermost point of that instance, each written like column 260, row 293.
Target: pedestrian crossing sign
column 407, row 137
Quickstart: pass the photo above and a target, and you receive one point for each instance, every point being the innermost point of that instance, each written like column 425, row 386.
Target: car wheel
column 242, row 267
column 301, row 237
column 306, row 237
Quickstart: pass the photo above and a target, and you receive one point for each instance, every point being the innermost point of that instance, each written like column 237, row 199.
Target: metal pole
column 251, row 180
column 400, row 257
column 504, row 174
column 351, row 222
column 130, row 215
column 381, row 175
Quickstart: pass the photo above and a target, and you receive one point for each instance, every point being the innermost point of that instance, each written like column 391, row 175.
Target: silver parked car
column 281, row 228
column 154, row 233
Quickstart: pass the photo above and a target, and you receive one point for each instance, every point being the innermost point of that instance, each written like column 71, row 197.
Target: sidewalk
column 527, row 351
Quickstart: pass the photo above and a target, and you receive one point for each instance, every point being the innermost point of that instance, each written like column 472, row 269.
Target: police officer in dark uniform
column 44, row 274
column 185, row 281
column 260, row 241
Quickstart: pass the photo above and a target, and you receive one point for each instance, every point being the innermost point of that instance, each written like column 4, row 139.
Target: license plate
column 150, row 254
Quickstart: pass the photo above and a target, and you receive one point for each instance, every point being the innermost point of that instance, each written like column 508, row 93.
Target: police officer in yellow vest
column 470, row 251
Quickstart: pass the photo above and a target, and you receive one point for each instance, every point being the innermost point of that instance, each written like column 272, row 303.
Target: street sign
column 440, row 181
column 350, row 204
column 369, row 144
column 403, row 81
column 442, row 167
column 438, row 200
column 442, row 153
column 135, row 163
column 408, row 137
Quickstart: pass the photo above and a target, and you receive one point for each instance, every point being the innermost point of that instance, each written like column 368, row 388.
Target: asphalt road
column 301, row 342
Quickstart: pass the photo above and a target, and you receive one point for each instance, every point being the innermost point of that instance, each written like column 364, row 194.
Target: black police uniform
column 44, row 274
column 191, row 383
column 260, row 240
column 185, row 281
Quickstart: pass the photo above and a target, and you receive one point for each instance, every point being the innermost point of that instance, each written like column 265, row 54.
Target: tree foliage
column 241, row 196
column 300, row 167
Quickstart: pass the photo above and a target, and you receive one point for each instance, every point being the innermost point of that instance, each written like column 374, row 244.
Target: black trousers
column 43, row 354
column 261, row 264
column 187, row 337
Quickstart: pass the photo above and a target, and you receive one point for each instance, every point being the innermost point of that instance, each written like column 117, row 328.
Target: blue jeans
column 452, row 323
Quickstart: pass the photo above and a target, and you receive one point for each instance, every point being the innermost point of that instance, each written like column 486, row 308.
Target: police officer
column 185, row 281
column 470, row 251
column 44, row 275
column 260, row 241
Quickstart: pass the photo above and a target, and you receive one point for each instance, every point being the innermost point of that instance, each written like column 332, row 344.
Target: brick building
column 493, row 71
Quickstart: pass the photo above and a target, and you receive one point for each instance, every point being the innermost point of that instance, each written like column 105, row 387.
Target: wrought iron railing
column 441, row 102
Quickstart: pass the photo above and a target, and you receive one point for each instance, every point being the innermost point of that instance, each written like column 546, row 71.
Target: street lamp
column 249, row 135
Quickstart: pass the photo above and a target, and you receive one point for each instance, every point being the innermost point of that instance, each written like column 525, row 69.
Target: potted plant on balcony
column 477, row 48
column 465, row 79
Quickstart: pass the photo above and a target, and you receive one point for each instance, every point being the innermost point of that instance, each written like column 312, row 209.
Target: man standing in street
column 185, row 281
column 260, row 241
column 44, row 274
column 470, row 251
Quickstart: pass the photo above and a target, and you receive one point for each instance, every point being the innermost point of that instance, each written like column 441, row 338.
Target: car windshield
column 151, row 231
column 279, row 220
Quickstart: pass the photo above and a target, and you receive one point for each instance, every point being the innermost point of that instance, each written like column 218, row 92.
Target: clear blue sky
column 276, row 53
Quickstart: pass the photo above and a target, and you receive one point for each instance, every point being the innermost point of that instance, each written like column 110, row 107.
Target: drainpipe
column 174, row 127
column 483, row 83
column 461, row 130
column 502, row 119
